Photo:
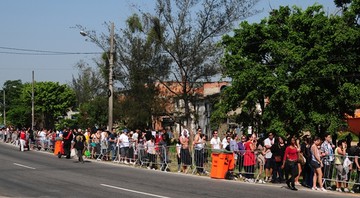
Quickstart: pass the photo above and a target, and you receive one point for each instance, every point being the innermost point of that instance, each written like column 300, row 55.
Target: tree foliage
column 51, row 101
column 187, row 31
column 303, row 62
column 88, row 84
column 141, row 64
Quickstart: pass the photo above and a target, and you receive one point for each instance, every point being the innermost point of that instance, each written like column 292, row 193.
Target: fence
column 341, row 170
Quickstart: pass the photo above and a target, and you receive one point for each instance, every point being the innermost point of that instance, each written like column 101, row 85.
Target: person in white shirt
column 123, row 142
column 150, row 149
column 42, row 138
column 224, row 142
column 215, row 140
column 268, row 142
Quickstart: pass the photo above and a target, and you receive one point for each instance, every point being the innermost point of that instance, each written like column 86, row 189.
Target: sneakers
column 261, row 181
column 249, row 180
column 338, row 190
column 314, row 188
column 126, row 162
column 323, row 189
column 346, row 190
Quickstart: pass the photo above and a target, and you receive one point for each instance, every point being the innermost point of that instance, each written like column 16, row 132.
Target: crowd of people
column 317, row 163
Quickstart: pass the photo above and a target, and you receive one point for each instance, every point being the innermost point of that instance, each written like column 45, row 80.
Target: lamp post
column 111, row 67
column 4, row 105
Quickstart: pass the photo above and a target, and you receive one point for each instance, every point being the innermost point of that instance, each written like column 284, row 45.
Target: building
column 201, row 105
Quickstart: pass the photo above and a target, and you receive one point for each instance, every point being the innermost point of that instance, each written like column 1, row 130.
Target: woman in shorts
column 341, row 175
column 316, row 164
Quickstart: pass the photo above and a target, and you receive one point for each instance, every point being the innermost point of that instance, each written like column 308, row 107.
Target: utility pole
column 32, row 103
column 111, row 88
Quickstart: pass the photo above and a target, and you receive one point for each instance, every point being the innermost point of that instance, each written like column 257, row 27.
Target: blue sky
column 46, row 25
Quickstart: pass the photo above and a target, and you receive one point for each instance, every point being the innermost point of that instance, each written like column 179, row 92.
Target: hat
column 125, row 130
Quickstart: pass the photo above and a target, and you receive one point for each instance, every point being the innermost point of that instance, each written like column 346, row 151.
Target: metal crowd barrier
column 348, row 175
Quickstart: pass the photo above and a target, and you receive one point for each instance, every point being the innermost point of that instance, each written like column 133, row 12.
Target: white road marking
column 24, row 166
column 134, row 191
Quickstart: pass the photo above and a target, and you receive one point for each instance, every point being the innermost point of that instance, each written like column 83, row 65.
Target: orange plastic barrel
column 58, row 147
column 219, row 165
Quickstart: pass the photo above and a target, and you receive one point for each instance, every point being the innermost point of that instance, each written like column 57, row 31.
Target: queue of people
column 307, row 161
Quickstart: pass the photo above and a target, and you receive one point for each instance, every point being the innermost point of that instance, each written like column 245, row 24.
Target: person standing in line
column 268, row 142
column 341, row 176
column 290, row 163
column 316, row 164
column 22, row 138
column 185, row 152
column 356, row 187
column 67, row 138
column 328, row 159
column 241, row 146
column 278, row 151
column 215, row 141
column 79, row 145
column 308, row 171
column 178, row 151
column 224, row 142
column 199, row 151
column 112, row 144
column 249, row 158
column 123, row 142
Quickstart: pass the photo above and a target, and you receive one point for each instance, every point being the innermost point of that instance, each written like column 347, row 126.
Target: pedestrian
column 123, row 143
column 178, row 151
column 185, row 152
column 290, row 163
column 199, row 151
column 22, row 138
column 67, row 138
column 215, row 141
column 278, row 151
column 249, row 158
column 316, row 164
column 268, row 142
column 341, row 176
column 79, row 145
column 356, row 187
column 308, row 171
column 328, row 159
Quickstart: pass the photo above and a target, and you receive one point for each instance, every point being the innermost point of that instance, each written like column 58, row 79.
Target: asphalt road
column 41, row 174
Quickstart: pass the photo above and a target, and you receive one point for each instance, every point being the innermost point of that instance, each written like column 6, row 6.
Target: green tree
column 51, row 101
column 303, row 62
column 187, row 31
column 12, row 89
column 142, row 59
column 88, row 84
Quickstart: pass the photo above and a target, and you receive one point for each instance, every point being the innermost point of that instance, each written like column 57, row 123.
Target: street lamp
column 4, row 105
column 111, row 67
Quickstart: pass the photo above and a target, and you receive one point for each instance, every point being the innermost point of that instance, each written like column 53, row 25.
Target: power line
column 22, row 51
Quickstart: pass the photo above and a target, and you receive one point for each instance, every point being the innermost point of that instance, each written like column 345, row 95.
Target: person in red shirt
column 290, row 162
column 249, row 158
column 22, row 137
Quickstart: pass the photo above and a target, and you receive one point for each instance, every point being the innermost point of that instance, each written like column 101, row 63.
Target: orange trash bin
column 222, row 162
column 58, row 148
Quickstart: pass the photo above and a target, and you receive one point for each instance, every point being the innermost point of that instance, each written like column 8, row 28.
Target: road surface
column 41, row 174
